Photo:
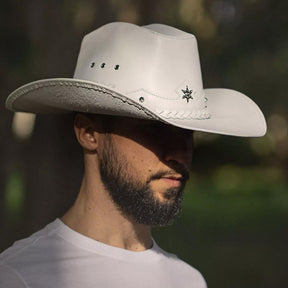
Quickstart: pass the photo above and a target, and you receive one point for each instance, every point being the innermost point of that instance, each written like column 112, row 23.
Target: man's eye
column 156, row 128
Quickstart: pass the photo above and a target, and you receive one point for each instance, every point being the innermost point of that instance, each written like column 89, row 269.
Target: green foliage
column 14, row 194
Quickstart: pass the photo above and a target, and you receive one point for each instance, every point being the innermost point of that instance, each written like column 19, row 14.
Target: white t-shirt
column 58, row 256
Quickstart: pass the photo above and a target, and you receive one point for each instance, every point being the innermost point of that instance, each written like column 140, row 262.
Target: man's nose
column 179, row 150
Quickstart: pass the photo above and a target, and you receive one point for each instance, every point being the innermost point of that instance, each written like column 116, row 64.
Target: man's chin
column 167, row 192
column 171, row 195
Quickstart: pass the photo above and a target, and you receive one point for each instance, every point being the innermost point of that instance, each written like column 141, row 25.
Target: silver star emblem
column 187, row 94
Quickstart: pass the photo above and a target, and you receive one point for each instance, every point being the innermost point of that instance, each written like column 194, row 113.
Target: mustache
column 177, row 168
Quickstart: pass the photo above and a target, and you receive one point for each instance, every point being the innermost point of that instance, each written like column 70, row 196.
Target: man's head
column 150, row 72
column 143, row 164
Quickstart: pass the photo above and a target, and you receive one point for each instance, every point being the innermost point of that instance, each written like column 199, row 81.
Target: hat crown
column 155, row 61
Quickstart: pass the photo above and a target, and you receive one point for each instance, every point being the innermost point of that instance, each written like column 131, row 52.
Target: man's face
column 144, row 166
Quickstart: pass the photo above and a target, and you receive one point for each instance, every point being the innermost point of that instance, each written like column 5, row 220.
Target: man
column 137, row 96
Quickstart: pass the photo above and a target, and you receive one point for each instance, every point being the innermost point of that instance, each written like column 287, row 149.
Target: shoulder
column 9, row 278
column 23, row 253
column 179, row 269
column 21, row 246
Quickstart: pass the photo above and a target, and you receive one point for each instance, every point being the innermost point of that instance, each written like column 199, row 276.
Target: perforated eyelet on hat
column 141, row 99
column 103, row 65
column 92, row 64
column 116, row 67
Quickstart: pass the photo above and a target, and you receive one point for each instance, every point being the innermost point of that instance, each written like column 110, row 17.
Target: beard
column 134, row 198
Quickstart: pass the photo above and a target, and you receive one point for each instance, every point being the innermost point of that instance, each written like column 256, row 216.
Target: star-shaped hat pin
column 187, row 94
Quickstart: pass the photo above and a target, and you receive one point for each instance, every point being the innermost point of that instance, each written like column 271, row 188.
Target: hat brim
column 232, row 113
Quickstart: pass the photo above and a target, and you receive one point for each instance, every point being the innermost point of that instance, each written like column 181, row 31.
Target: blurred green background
column 233, row 227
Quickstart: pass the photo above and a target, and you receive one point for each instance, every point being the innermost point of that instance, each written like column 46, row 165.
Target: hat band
column 197, row 115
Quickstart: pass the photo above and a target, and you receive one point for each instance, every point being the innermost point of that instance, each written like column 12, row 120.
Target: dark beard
column 134, row 199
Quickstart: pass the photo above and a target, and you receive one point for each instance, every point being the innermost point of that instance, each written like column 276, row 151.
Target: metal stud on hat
column 187, row 94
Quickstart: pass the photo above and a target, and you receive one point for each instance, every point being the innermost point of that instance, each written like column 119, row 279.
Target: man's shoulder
column 9, row 278
column 21, row 254
column 21, row 246
column 181, row 269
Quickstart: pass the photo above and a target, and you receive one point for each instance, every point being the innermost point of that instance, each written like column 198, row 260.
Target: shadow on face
column 170, row 144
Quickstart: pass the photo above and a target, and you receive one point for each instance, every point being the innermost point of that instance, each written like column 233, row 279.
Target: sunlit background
column 233, row 226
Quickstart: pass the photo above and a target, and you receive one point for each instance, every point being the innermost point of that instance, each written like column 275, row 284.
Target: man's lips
column 173, row 180
column 172, row 177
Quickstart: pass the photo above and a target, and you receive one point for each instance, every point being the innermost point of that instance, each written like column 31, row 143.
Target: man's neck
column 95, row 215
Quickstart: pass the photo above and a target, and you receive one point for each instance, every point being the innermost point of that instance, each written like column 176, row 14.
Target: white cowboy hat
column 149, row 72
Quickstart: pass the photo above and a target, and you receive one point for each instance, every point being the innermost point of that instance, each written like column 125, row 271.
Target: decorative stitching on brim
column 200, row 115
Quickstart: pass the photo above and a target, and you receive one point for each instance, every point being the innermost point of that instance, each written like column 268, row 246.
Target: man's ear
column 86, row 132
